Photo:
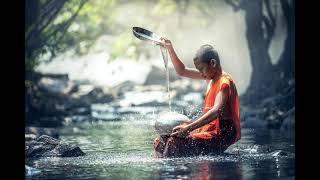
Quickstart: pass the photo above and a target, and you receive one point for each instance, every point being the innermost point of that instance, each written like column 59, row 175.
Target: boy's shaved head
column 206, row 53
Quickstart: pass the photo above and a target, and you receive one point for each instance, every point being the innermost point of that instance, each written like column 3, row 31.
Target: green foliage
column 125, row 45
column 164, row 7
column 86, row 27
column 30, row 64
column 79, row 30
column 46, row 28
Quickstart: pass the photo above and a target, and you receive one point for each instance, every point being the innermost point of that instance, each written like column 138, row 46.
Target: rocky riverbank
column 53, row 101
column 276, row 112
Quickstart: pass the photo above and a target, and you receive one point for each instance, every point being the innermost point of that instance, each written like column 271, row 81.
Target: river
column 122, row 149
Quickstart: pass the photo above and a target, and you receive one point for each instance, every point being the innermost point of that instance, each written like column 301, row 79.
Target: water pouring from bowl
column 146, row 35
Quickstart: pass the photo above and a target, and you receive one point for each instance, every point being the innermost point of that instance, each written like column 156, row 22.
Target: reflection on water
column 123, row 150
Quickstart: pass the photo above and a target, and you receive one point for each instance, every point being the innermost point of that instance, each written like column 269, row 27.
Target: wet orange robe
column 230, row 111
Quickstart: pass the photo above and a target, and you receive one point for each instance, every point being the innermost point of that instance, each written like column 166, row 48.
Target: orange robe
column 230, row 111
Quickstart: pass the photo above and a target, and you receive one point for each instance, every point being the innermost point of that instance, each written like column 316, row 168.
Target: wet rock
column 46, row 146
column 35, row 132
column 274, row 108
column 54, row 76
column 29, row 137
column 44, row 108
column 277, row 108
column 54, row 85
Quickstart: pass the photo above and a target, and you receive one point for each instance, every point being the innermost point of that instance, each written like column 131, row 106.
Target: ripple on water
column 143, row 159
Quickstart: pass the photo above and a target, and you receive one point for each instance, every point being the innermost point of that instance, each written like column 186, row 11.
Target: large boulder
column 46, row 146
column 54, row 85
column 167, row 121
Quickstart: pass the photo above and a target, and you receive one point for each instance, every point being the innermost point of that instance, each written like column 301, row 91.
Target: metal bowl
column 145, row 35
column 167, row 121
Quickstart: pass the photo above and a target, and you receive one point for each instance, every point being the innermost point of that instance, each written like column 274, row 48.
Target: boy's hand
column 178, row 128
column 180, row 131
column 165, row 42
column 182, row 125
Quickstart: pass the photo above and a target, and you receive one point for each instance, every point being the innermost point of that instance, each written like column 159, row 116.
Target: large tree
column 266, row 78
column 44, row 29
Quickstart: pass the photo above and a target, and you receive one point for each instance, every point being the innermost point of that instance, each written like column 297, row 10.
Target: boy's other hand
column 178, row 128
column 180, row 131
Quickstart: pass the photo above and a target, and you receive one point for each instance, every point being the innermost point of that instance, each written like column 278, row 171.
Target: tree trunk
column 285, row 67
column 262, row 69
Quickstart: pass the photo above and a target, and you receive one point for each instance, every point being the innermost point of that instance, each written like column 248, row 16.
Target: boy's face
column 207, row 71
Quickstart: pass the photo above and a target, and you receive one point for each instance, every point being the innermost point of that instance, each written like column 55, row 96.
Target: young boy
column 219, row 126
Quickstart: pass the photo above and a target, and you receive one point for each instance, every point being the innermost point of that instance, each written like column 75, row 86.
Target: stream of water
column 165, row 59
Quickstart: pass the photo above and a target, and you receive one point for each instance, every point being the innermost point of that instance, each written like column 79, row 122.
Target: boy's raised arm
column 177, row 63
